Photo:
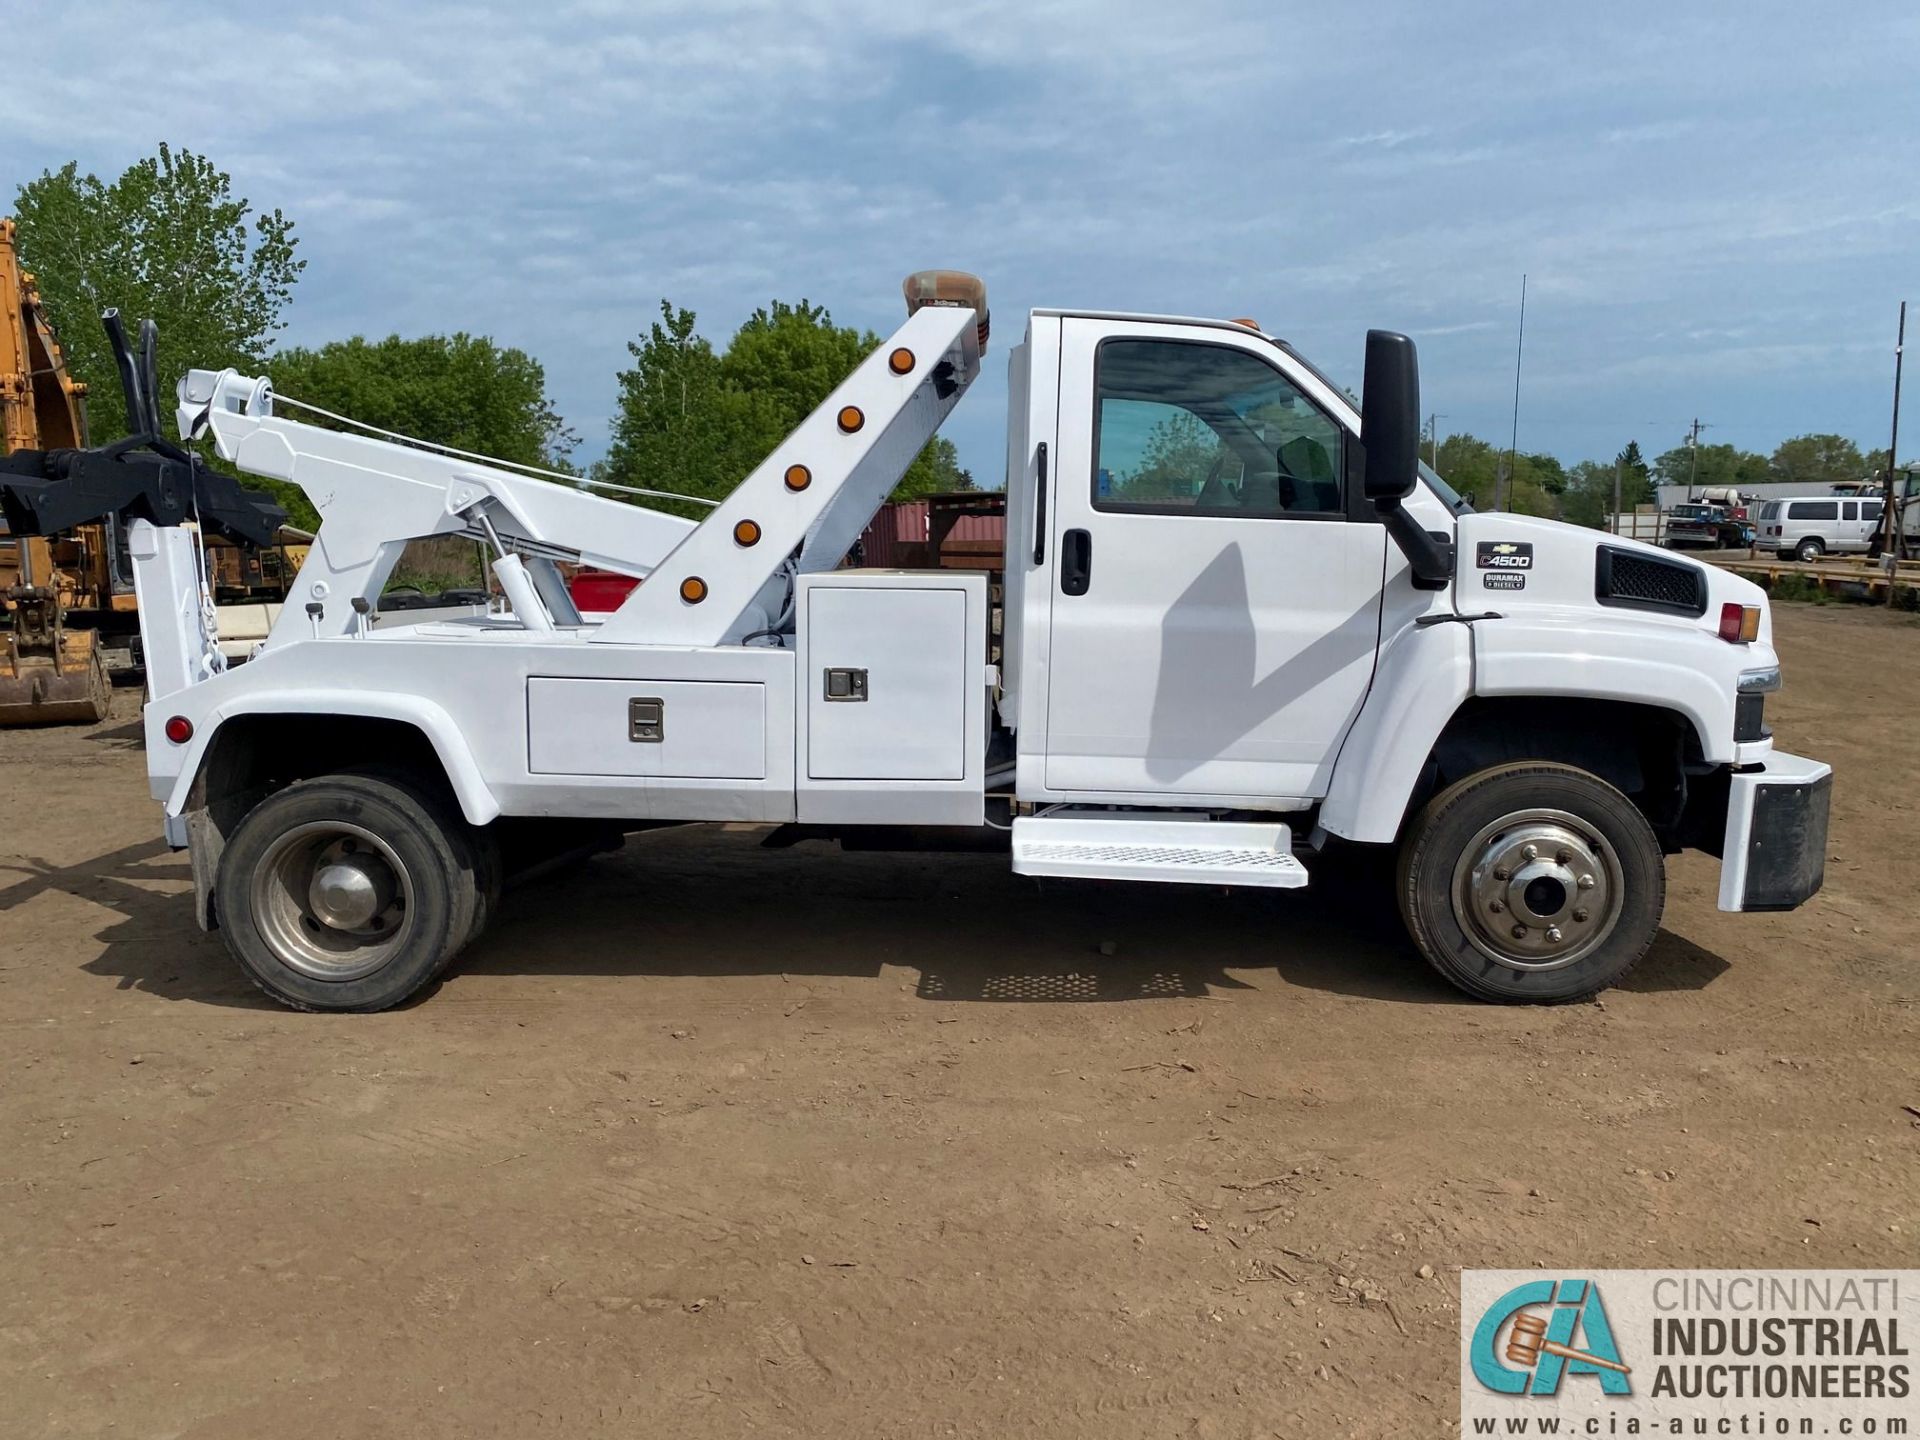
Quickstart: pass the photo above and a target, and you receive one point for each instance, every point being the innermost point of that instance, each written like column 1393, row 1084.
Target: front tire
column 1533, row 883
column 348, row 892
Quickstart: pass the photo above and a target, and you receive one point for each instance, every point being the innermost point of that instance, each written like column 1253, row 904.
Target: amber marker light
column 693, row 589
column 851, row 419
column 901, row 361
column 747, row 532
column 798, row 478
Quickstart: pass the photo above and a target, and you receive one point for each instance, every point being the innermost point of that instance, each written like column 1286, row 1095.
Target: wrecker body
column 1239, row 625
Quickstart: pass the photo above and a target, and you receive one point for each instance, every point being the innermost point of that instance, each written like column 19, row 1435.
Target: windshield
column 1449, row 497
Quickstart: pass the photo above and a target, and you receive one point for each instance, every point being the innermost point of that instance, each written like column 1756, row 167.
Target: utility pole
column 1892, row 521
column 1433, row 439
column 1693, row 453
column 1613, row 523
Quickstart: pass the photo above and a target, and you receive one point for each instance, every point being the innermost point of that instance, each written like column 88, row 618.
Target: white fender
column 1644, row 661
column 477, row 801
column 1424, row 674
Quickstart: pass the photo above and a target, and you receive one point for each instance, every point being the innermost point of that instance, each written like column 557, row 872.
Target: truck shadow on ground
column 718, row 904
column 154, row 944
column 713, row 902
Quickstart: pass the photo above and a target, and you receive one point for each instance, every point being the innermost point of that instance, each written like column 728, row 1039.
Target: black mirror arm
column 1429, row 556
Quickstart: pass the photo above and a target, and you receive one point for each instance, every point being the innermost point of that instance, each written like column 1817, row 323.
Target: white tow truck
column 1241, row 624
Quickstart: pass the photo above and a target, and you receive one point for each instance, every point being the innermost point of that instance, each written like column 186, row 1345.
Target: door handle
column 1040, row 508
column 1076, row 562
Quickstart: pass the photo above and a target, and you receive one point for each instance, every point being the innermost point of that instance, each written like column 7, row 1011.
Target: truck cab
column 1242, row 631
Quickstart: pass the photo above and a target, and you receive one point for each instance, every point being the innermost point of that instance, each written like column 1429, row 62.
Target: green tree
column 459, row 390
column 1177, row 454
column 1530, row 485
column 1631, row 462
column 696, row 421
column 169, row 241
column 1817, row 461
column 1711, row 465
column 1636, row 477
column 1469, row 465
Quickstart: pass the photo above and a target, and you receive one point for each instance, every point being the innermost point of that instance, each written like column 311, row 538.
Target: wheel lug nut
column 1530, row 852
column 1586, row 882
column 1519, row 932
column 1563, row 856
column 1497, row 906
column 1553, row 934
column 1580, row 916
column 1503, row 874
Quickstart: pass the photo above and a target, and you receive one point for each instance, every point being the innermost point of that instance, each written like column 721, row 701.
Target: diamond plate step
column 1148, row 846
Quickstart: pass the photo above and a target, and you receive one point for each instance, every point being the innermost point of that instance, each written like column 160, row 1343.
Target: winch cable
column 209, row 612
column 579, row 481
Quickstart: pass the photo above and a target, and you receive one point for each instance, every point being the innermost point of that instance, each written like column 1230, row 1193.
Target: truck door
column 1215, row 610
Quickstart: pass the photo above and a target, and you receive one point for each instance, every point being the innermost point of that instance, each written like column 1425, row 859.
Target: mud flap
column 204, row 844
column 1775, row 856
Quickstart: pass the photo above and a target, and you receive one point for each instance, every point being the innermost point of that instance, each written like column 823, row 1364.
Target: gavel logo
column 1527, row 1342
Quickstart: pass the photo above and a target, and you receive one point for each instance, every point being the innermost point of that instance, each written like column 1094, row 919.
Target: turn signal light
column 746, row 533
column 1739, row 624
column 798, row 478
column 693, row 589
column 851, row 419
column 179, row 729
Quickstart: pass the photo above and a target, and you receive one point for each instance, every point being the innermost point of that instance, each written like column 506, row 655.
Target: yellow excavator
column 51, row 672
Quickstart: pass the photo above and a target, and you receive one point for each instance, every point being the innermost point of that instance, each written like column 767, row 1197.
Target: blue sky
column 1717, row 205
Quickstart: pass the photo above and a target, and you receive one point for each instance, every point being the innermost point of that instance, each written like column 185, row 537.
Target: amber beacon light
column 950, row 288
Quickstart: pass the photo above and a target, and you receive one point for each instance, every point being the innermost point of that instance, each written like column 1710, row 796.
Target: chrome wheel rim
column 1538, row 890
column 333, row 901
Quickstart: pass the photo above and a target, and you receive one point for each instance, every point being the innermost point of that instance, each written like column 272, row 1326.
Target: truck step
column 1148, row 845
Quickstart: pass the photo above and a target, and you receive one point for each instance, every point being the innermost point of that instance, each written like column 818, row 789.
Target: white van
column 1807, row 528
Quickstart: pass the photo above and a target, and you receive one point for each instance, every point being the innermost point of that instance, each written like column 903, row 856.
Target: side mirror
column 1390, row 417
column 1390, row 432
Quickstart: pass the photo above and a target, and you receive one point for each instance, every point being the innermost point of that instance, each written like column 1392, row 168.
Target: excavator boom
column 50, row 674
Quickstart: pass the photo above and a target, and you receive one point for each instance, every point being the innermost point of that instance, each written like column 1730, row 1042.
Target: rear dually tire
column 349, row 892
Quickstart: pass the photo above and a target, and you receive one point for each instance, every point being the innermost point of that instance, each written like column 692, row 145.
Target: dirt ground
column 708, row 1139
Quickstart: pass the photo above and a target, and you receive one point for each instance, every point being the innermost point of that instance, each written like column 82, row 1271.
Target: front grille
column 1646, row 582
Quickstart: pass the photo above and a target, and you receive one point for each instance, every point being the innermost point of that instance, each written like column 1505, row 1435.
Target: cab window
column 1183, row 427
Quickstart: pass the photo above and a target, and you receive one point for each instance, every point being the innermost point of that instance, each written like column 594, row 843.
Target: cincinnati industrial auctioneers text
column 1841, row 1340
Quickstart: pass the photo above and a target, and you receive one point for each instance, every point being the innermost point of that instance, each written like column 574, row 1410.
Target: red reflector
column 179, row 729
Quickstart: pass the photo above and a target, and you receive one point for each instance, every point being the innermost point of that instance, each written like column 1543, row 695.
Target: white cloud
column 1706, row 201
